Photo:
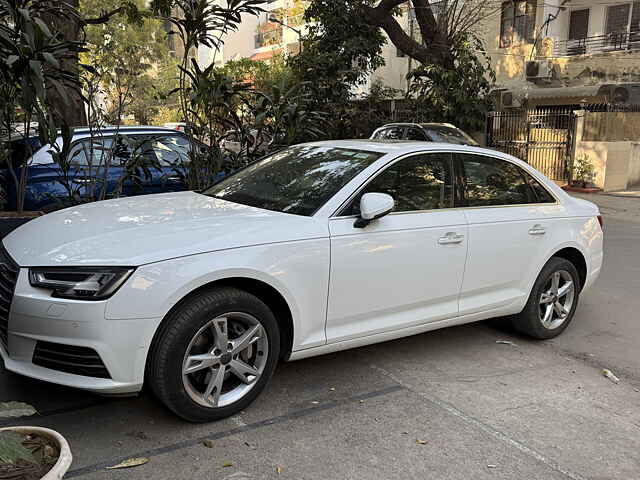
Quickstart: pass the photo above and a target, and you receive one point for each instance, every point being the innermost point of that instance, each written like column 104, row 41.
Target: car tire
column 192, row 337
column 552, row 302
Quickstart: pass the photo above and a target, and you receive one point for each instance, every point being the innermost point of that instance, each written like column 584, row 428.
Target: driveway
column 450, row 404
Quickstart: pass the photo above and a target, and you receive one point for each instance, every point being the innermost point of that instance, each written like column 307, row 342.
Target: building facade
column 565, row 52
column 278, row 31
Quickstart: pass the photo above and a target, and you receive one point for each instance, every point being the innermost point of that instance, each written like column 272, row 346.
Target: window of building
column 578, row 24
column 517, row 22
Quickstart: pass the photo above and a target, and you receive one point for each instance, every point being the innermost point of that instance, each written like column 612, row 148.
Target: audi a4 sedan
column 317, row 248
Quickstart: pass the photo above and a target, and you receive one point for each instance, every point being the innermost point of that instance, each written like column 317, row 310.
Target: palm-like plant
column 30, row 57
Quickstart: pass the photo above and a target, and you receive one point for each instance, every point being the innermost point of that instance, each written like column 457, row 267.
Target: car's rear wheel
column 552, row 302
column 214, row 354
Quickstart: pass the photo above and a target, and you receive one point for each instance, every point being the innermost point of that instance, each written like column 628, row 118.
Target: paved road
column 451, row 404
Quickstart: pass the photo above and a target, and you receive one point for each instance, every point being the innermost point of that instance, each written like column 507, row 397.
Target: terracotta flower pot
column 65, row 458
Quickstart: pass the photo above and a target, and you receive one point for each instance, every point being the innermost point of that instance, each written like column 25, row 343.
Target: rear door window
column 488, row 181
column 170, row 150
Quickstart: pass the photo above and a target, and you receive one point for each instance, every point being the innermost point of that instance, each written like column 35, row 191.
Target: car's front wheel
column 214, row 354
column 552, row 302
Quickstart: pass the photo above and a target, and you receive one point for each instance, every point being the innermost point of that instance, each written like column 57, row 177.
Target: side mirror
column 372, row 206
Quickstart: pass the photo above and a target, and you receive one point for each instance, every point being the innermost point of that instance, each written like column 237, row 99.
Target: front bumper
column 37, row 317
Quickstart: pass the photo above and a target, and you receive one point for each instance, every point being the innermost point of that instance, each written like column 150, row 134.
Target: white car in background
column 317, row 248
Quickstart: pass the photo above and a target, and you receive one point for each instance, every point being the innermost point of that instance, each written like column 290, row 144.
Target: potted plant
column 582, row 175
column 33, row 453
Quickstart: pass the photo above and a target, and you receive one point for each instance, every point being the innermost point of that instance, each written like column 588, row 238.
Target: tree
column 351, row 34
column 132, row 61
column 63, row 17
column 32, row 66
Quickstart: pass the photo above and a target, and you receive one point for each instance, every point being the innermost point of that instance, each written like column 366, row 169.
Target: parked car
column 178, row 126
column 165, row 153
column 428, row 132
column 232, row 142
column 317, row 248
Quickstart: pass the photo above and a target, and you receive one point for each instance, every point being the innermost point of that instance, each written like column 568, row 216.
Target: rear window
column 449, row 135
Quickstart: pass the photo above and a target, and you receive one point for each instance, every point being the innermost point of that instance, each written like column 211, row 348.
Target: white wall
column 559, row 28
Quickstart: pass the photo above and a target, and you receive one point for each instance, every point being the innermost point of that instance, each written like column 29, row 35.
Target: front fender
column 298, row 270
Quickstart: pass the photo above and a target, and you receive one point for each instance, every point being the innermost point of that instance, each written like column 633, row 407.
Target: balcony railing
column 268, row 38
column 611, row 42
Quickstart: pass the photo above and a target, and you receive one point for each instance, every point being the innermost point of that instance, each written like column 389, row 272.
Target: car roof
column 122, row 128
column 415, row 124
column 401, row 147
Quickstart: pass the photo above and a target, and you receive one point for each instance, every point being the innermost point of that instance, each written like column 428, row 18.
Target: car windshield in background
column 296, row 180
column 449, row 135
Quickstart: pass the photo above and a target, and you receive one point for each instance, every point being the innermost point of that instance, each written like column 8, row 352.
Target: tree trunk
column 70, row 108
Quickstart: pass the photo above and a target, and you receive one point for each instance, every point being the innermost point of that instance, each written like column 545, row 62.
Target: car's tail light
column 601, row 221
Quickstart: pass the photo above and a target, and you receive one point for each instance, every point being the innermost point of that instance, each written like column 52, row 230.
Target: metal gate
column 541, row 137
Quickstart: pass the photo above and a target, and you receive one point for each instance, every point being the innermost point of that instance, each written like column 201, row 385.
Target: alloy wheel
column 225, row 359
column 556, row 300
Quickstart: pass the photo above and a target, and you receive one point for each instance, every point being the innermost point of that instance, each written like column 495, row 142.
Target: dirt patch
column 44, row 451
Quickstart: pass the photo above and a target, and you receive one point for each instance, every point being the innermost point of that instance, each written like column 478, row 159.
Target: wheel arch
column 577, row 258
column 267, row 293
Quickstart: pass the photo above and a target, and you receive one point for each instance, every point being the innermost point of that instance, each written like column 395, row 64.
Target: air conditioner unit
column 538, row 70
column 621, row 94
column 509, row 100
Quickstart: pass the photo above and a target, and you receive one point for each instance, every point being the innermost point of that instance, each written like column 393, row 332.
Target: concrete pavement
column 450, row 404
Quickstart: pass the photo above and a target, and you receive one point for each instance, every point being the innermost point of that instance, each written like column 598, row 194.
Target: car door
column 513, row 224
column 406, row 268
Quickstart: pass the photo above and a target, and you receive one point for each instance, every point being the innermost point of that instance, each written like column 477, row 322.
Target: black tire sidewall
column 172, row 347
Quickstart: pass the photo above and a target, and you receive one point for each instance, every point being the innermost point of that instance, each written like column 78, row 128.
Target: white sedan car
column 320, row 247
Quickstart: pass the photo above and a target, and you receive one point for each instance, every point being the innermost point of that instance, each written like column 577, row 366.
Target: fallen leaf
column 227, row 464
column 610, row 375
column 208, row 443
column 16, row 409
column 332, row 389
column 421, row 442
column 279, row 469
column 491, row 466
column 315, row 402
column 132, row 462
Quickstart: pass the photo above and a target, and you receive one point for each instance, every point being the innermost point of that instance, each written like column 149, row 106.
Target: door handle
column 537, row 230
column 451, row 237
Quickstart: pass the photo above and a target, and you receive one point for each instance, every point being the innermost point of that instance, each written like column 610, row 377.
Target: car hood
column 139, row 230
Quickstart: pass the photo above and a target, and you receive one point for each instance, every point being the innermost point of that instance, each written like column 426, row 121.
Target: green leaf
column 16, row 409
column 50, row 59
column 11, row 448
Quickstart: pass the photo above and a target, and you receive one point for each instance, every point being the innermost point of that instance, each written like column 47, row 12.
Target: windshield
column 296, row 180
column 449, row 135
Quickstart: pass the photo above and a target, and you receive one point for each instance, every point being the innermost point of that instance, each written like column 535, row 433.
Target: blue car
column 140, row 160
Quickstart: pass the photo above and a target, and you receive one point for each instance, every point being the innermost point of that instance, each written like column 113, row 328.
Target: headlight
column 83, row 283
